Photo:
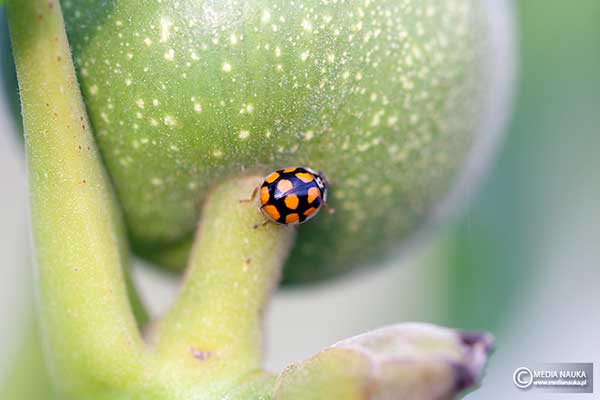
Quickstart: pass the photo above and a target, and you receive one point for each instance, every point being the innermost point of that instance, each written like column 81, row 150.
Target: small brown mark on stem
column 200, row 355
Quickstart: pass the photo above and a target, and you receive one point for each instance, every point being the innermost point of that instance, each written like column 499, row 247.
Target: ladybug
column 292, row 196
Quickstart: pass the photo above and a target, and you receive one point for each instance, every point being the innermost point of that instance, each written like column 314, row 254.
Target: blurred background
column 521, row 261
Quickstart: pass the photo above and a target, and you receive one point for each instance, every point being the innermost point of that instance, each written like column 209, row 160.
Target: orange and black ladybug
column 293, row 195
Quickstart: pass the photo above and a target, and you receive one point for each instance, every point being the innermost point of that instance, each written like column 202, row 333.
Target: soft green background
column 547, row 172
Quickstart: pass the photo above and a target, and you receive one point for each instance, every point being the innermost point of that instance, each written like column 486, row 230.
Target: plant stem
column 211, row 340
column 231, row 273
column 80, row 252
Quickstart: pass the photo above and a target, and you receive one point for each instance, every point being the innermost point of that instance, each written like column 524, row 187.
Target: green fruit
column 382, row 96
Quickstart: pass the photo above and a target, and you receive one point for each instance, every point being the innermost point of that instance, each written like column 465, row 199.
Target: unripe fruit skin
column 384, row 97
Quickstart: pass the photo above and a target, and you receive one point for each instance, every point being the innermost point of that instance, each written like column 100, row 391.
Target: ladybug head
column 322, row 183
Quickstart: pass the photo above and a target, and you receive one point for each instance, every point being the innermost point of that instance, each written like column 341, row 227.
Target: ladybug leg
column 328, row 209
column 252, row 196
column 256, row 226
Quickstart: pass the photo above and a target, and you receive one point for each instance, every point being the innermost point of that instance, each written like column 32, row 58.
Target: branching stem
column 210, row 342
column 232, row 270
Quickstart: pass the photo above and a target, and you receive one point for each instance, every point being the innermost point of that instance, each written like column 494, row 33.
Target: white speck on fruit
column 140, row 103
column 247, row 109
column 244, row 134
column 170, row 55
column 147, row 41
column 197, row 107
column 93, row 89
column 169, row 120
column 165, row 29
column 305, row 54
column 377, row 118
column 266, row 16
column 226, row 67
column 306, row 25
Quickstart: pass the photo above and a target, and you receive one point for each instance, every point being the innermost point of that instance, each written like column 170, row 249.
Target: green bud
column 405, row 361
column 384, row 97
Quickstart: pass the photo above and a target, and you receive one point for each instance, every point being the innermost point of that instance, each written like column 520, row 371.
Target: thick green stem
column 84, row 305
column 232, row 270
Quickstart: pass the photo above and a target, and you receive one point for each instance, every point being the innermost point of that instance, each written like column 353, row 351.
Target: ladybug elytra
column 293, row 195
